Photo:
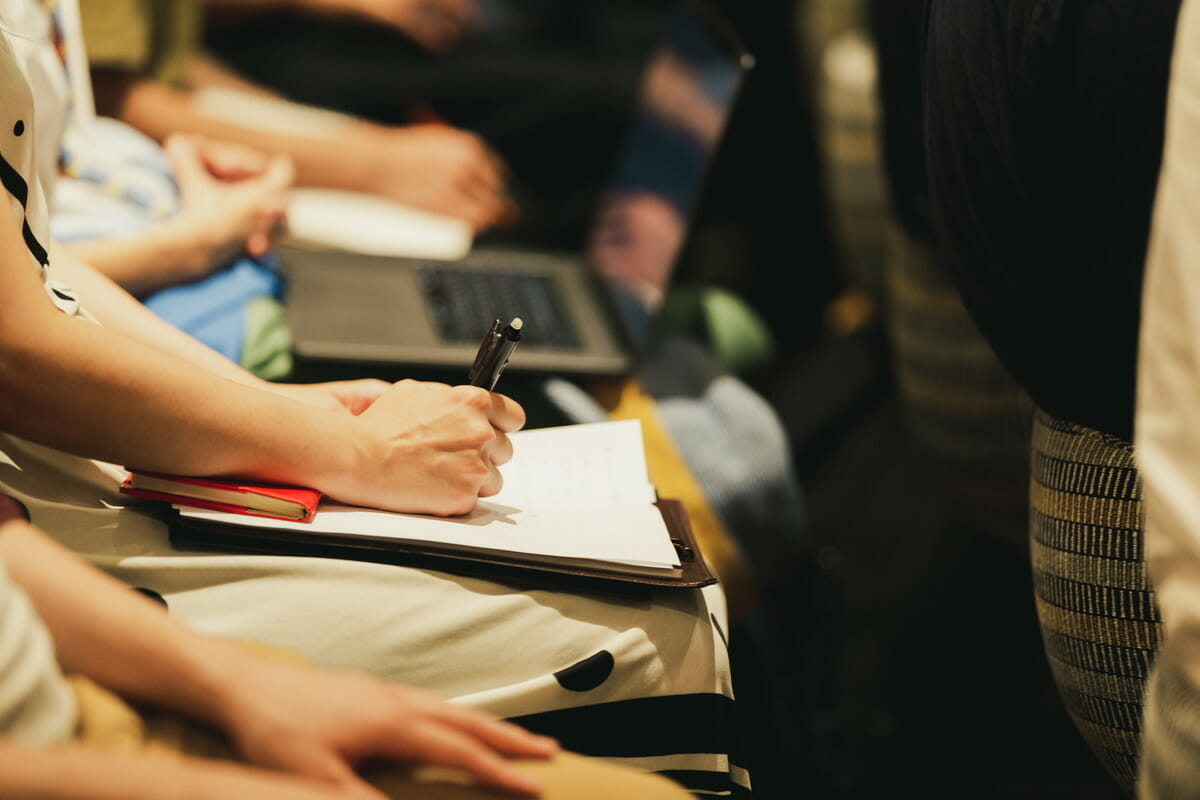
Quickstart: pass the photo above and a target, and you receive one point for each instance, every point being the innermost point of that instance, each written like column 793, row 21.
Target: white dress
column 641, row 679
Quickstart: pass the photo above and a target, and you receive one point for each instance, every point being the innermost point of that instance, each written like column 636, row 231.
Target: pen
column 494, row 351
column 487, row 349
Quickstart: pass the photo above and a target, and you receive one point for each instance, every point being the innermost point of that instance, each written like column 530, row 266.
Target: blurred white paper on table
column 365, row 223
column 337, row 219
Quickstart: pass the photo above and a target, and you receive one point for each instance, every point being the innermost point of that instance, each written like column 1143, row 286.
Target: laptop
column 585, row 313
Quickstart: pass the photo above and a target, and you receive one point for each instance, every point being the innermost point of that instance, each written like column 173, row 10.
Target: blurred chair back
column 1100, row 624
column 848, row 132
column 963, row 408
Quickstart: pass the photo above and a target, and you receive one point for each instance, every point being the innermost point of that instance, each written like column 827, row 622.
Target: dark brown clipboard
column 192, row 534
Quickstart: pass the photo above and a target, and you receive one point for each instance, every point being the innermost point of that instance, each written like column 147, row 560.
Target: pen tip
column 516, row 324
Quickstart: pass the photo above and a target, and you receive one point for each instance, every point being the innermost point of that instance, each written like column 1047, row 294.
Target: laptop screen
column 690, row 83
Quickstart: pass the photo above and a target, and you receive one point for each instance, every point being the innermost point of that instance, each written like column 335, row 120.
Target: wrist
column 199, row 677
column 235, row 676
column 219, row 683
column 192, row 248
column 333, row 453
column 348, row 458
column 372, row 160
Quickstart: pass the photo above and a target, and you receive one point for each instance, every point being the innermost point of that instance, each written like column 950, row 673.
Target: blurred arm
column 1167, row 435
column 337, row 159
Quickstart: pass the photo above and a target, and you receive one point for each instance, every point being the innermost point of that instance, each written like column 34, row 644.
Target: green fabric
column 734, row 332
column 267, row 350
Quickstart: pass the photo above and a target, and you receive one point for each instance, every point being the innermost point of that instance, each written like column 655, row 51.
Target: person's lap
column 512, row 651
column 107, row 723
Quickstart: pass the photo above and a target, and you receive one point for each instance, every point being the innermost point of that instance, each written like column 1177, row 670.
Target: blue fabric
column 213, row 310
column 116, row 182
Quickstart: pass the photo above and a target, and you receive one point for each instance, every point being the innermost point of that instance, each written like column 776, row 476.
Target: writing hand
column 428, row 448
column 352, row 396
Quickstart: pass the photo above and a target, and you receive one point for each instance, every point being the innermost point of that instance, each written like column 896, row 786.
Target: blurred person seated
column 641, row 221
column 187, row 228
column 148, row 69
column 547, row 84
column 79, row 652
column 203, row 205
column 1042, row 215
column 1044, row 125
column 436, row 26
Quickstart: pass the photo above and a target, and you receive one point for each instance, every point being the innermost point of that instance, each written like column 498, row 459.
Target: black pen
column 487, row 349
column 494, row 351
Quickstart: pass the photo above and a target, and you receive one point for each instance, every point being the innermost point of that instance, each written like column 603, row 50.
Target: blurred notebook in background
column 335, row 219
column 364, row 223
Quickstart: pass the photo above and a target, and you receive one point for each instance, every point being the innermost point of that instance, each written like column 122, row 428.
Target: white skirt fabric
column 641, row 679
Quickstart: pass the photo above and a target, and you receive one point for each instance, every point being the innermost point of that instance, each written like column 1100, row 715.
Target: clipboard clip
column 682, row 550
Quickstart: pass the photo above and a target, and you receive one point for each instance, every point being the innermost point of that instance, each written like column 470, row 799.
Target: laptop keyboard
column 464, row 302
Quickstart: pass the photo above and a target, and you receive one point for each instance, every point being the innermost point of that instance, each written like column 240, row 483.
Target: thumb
column 257, row 244
column 280, row 173
column 268, row 192
column 186, row 164
column 270, row 221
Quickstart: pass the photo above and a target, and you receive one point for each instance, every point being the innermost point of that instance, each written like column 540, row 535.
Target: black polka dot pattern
column 583, row 676
column 153, row 595
column 19, row 128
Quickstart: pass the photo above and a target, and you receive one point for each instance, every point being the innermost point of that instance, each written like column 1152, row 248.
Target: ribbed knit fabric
column 1100, row 623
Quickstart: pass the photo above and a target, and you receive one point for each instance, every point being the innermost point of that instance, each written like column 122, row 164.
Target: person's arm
column 437, row 168
column 204, row 70
column 159, row 110
column 162, row 256
column 94, row 391
column 74, row 773
column 280, row 714
column 1167, row 435
column 219, row 219
column 120, row 312
column 436, row 25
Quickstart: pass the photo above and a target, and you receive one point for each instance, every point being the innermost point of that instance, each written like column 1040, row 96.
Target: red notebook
column 239, row 497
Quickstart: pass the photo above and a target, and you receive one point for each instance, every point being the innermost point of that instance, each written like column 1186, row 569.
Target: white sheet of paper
column 365, row 223
column 575, row 491
column 354, row 221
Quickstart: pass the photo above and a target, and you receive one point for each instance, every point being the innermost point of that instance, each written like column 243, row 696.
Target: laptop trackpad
column 382, row 296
